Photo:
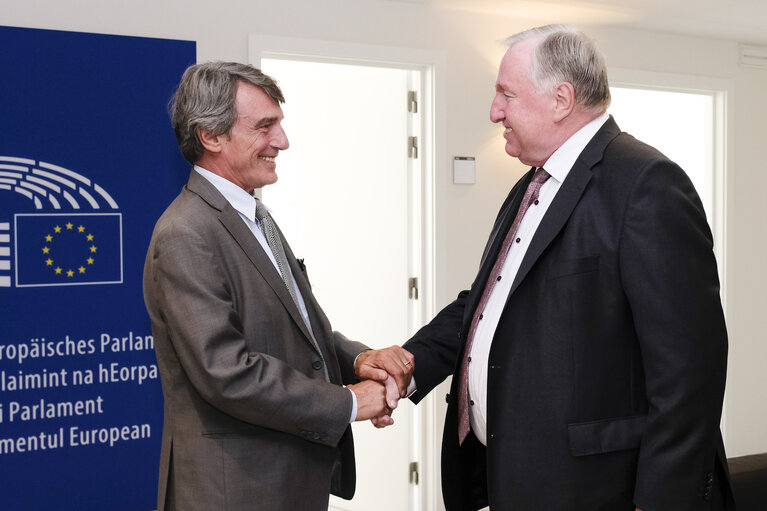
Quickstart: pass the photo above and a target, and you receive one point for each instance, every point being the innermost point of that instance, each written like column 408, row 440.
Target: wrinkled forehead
column 252, row 101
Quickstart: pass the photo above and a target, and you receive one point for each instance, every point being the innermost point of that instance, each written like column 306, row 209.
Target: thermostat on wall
column 464, row 170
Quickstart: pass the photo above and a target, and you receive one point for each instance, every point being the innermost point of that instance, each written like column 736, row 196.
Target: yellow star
column 46, row 250
column 58, row 271
column 49, row 262
column 69, row 226
column 57, row 229
column 81, row 269
column 81, row 229
column 49, row 238
column 89, row 237
column 93, row 249
column 90, row 260
column 70, row 273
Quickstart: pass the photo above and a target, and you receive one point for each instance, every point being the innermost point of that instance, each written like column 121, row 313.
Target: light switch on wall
column 464, row 170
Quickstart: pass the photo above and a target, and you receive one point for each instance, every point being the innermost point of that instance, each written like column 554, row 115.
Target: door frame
column 426, row 430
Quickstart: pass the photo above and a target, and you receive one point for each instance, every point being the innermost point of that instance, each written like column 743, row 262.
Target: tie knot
column 540, row 176
column 261, row 211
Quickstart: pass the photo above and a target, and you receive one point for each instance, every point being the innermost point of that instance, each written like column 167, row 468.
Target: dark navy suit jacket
column 607, row 368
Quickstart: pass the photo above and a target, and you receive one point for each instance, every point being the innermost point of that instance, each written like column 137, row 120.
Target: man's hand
column 382, row 421
column 380, row 364
column 392, row 400
column 371, row 400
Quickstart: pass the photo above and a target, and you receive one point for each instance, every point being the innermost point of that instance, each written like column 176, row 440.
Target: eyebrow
column 266, row 121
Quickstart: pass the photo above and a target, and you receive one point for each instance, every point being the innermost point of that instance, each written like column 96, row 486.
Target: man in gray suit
column 256, row 416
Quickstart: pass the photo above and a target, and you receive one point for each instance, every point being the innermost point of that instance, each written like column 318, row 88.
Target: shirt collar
column 559, row 164
column 243, row 202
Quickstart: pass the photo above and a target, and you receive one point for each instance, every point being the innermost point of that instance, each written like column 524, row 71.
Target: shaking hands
column 385, row 376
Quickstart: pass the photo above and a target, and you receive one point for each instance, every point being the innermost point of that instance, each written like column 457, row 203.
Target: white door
column 344, row 201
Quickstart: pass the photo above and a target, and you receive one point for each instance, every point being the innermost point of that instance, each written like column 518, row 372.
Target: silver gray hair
column 565, row 54
column 205, row 99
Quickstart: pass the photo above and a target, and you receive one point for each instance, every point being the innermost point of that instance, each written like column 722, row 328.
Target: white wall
column 470, row 44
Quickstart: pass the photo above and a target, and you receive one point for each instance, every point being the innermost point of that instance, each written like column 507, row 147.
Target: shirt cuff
column 354, row 407
column 411, row 388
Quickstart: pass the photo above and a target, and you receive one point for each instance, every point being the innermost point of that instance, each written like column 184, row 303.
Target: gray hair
column 565, row 54
column 205, row 99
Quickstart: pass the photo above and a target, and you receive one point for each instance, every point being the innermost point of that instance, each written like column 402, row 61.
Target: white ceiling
column 744, row 21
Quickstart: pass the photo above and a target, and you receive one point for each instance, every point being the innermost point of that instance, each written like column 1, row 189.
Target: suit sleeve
column 436, row 347
column 670, row 279
column 195, row 303
column 347, row 352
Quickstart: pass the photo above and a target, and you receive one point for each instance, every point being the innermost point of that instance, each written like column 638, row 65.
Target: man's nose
column 280, row 139
column 496, row 111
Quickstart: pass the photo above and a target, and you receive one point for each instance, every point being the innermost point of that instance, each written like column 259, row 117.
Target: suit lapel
column 560, row 210
column 567, row 198
column 255, row 252
column 494, row 243
column 504, row 221
column 232, row 222
column 317, row 318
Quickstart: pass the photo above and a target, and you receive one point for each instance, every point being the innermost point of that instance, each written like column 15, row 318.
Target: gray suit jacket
column 250, row 421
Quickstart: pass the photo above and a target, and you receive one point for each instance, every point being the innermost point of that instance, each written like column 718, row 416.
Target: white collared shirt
column 558, row 166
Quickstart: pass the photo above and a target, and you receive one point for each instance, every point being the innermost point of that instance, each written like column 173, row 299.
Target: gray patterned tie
column 275, row 244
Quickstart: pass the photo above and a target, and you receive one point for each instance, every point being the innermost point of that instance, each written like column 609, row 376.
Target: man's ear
column 209, row 141
column 564, row 97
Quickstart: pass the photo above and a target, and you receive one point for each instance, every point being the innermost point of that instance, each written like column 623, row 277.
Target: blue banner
column 88, row 162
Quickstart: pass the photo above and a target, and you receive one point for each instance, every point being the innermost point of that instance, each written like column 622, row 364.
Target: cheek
column 519, row 118
column 257, row 143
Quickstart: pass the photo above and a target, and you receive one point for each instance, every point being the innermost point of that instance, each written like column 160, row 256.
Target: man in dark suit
column 256, row 417
column 592, row 340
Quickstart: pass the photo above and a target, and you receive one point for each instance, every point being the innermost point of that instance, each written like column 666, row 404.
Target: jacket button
column 317, row 365
column 447, row 398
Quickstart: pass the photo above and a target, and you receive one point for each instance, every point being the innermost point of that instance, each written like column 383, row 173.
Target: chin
column 512, row 151
column 269, row 180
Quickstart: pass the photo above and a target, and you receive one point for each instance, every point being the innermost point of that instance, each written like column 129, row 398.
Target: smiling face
column 246, row 156
column 527, row 114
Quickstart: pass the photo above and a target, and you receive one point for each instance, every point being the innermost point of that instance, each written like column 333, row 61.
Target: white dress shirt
column 245, row 204
column 558, row 166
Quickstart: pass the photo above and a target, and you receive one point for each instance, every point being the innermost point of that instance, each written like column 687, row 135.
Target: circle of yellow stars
column 48, row 252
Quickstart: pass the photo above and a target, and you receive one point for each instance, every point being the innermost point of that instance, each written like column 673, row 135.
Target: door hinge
column 413, row 472
column 412, row 147
column 412, row 288
column 412, row 102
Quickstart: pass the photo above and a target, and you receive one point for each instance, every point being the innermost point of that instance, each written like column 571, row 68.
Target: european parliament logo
column 58, row 248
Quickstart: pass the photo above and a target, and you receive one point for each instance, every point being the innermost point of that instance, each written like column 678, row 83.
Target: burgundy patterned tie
column 531, row 196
